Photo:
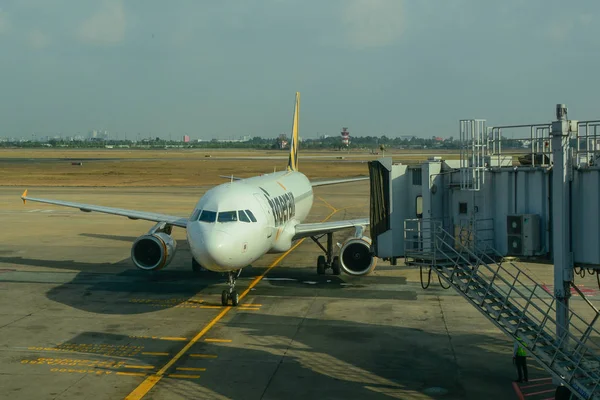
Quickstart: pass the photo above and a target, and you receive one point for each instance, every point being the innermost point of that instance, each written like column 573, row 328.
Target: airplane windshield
column 208, row 216
column 251, row 215
column 243, row 216
column 195, row 215
column 227, row 216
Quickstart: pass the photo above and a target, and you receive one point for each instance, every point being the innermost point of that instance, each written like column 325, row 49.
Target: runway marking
column 171, row 338
column 218, row 340
column 190, row 369
column 81, row 371
column 93, row 348
column 333, row 209
column 183, row 376
column 73, row 362
column 143, row 388
column 139, row 366
column 131, row 373
column 211, row 306
column 249, row 309
column 169, row 303
column 154, row 353
column 250, row 305
column 204, row 355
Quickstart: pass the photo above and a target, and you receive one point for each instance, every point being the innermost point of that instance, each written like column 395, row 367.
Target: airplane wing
column 235, row 178
column 336, row 181
column 319, row 228
column 131, row 214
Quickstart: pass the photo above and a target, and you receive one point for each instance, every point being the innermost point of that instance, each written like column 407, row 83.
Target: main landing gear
column 328, row 260
column 231, row 293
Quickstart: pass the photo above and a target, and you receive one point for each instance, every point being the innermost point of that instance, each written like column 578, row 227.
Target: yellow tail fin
column 293, row 160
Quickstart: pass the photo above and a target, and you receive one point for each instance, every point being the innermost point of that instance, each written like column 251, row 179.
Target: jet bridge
column 471, row 220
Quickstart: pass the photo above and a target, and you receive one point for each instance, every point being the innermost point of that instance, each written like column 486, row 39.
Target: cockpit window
column 243, row 216
column 251, row 215
column 227, row 216
column 195, row 215
column 208, row 216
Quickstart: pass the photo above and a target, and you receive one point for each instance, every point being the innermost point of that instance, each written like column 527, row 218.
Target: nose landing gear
column 231, row 294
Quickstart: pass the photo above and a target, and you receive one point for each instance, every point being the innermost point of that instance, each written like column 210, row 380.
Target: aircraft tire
column 224, row 297
column 235, row 298
column 335, row 266
column 321, row 265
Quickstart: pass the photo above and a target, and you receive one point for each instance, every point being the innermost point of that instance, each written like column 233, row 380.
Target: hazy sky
column 231, row 67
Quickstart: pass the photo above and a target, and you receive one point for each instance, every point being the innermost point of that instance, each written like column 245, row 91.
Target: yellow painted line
column 333, row 209
column 218, row 340
column 204, row 355
column 148, row 383
column 250, row 308
column 190, row 369
column 153, row 353
column 250, row 305
column 172, row 338
column 211, row 306
column 184, row 376
column 131, row 373
column 139, row 366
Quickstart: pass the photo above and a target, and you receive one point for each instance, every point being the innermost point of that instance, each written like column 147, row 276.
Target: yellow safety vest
column 520, row 349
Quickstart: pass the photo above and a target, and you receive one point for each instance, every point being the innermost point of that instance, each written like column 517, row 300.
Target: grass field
column 112, row 167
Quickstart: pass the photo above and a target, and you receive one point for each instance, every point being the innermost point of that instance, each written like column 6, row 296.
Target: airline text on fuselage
column 283, row 207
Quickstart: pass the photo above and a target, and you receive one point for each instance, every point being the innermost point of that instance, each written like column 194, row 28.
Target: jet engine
column 356, row 257
column 153, row 251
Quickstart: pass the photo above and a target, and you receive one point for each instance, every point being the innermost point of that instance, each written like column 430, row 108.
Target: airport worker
column 520, row 359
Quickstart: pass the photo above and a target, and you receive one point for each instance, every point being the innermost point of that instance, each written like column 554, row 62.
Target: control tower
column 345, row 137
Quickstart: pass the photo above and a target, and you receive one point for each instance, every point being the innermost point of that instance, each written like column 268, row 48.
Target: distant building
column 345, row 137
column 186, row 139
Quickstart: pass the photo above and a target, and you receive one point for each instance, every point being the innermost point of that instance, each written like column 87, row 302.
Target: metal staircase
column 513, row 301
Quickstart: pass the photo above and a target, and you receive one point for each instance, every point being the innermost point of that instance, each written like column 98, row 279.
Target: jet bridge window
column 251, row 215
column 243, row 217
column 227, row 216
column 208, row 216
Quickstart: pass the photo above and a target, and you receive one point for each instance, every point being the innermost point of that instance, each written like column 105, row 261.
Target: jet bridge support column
column 563, row 263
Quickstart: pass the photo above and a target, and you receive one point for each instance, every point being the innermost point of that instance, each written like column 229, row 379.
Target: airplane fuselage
column 237, row 222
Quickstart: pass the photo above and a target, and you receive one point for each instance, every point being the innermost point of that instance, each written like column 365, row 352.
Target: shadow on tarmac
column 325, row 360
column 120, row 288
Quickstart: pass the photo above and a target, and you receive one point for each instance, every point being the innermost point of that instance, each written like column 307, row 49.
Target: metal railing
column 536, row 147
column 536, row 308
column 473, row 149
column 527, row 309
column 587, row 147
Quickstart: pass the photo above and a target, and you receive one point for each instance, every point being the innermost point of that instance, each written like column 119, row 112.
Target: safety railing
column 489, row 254
column 522, row 297
column 533, row 141
column 587, row 146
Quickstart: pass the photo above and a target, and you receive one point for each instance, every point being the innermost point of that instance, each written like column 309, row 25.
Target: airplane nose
column 219, row 248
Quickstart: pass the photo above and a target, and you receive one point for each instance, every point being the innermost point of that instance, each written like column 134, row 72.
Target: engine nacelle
column 356, row 257
column 152, row 252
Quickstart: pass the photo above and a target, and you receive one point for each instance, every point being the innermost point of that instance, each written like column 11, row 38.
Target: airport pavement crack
column 18, row 319
column 69, row 387
column 457, row 369
column 283, row 357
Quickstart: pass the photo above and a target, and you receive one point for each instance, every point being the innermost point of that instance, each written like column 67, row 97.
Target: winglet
column 24, row 196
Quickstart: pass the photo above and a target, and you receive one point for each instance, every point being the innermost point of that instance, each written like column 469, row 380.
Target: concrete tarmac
column 79, row 321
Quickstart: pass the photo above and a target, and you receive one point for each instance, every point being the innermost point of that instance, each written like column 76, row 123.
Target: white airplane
column 237, row 222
